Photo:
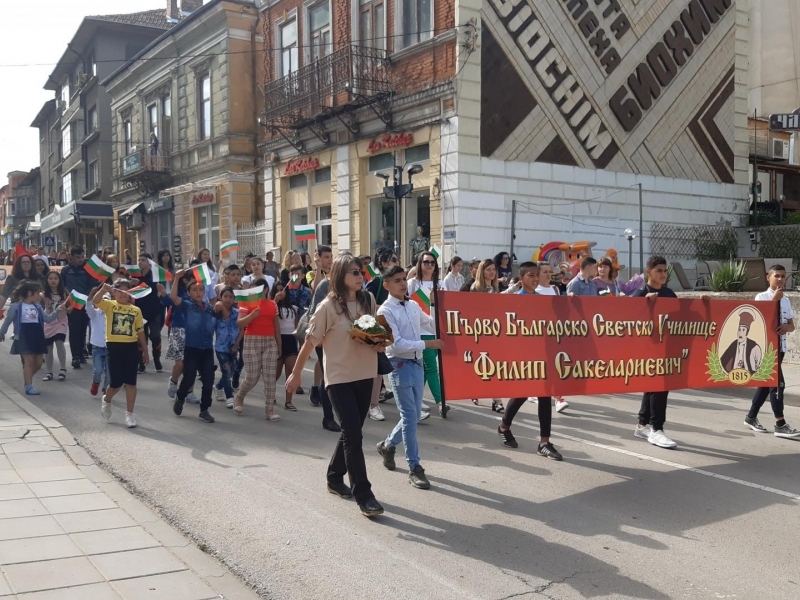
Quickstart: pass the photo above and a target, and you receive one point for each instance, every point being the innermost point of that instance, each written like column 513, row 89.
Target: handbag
column 384, row 364
column 302, row 326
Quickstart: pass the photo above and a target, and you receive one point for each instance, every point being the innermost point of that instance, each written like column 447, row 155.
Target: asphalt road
column 619, row 518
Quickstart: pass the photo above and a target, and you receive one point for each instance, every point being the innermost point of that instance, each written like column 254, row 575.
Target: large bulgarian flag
column 160, row 274
column 77, row 300
column 97, row 268
column 305, row 232
column 229, row 247
column 249, row 299
column 421, row 297
column 202, row 274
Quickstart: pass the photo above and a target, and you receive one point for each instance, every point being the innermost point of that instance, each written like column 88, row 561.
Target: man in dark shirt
column 152, row 311
column 76, row 277
column 653, row 411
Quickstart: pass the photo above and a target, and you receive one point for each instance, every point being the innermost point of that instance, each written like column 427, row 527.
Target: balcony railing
column 142, row 161
column 307, row 92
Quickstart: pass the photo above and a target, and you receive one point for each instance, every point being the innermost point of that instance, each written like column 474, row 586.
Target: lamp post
column 396, row 191
column 781, row 199
column 630, row 234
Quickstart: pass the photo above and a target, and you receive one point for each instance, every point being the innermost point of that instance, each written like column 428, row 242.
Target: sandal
column 290, row 406
column 498, row 407
column 47, row 377
column 62, row 375
column 274, row 418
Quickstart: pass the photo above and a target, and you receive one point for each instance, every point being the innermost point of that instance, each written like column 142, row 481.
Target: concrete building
column 184, row 126
column 27, row 204
column 8, row 208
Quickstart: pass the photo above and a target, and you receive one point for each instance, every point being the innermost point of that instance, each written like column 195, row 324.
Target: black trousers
column 761, row 396
column 197, row 361
column 77, row 321
column 653, row 410
column 351, row 403
column 152, row 331
column 324, row 400
column 545, row 413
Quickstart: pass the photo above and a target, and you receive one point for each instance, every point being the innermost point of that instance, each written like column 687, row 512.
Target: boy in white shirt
column 97, row 339
column 777, row 280
column 406, row 320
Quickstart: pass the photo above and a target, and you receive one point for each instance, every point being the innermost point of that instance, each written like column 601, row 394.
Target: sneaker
column 561, row 405
column 76, row 364
column 206, row 416
column 235, row 381
column 172, row 388
column 105, row 408
column 371, row 508
column 509, row 441
column 94, row 388
column 130, row 422
column 229, row 402
column 387, row 395
column 533, row 399
column 784, row 431
column 314, row 396
column 755, row 425
column 220, row 394
column 32, row 391
column 388, row 455
column 340, row 489
column 140, row 370
column 157, row 364
column 376, row 414
column 177, row 407
column 299, row 391
column 657, row 438
column 443, row 410
column 549, row 451
column 192, row 399
column 83, row 359
column 425, row 414
column 417, row 478
column 642, row 432
column 331, row 426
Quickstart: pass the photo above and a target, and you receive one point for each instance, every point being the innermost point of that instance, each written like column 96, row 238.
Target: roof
column 147, row 18
column 46, row 109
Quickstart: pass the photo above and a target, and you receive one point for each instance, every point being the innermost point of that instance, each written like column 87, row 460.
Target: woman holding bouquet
column 350, row 366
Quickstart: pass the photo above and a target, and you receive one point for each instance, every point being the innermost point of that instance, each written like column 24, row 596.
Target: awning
column 63, row 216
column 33, row 226
column 130, row 210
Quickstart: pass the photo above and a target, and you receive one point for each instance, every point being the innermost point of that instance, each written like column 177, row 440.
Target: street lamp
column 396, row 191
column 781, row 199
column 630, row 234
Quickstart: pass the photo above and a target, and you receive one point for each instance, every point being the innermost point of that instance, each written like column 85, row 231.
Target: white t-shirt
column 786, row 311
column 547, row 290
column 287, row 321
column 97, row 318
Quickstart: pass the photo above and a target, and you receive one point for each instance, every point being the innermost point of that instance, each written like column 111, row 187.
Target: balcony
column 343, row 81
column 148, row 173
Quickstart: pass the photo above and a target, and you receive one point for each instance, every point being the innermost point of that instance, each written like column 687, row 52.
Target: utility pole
column 641, row 233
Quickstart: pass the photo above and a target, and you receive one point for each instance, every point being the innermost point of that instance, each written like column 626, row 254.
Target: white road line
column 660, row 461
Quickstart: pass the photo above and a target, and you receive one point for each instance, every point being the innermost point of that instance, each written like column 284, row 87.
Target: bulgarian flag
column 140, row 291
column 160, row 274
column 305, row 232
column 370, row 272
column 227, row 247
column 77, row 300
column 98, row 269
column 295, row 282
column 132, row 270
column 421, row 297
column 249, row 299
column 436, row 251
column 202, row 274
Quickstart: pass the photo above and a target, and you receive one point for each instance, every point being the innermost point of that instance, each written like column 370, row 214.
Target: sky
column 36, row 33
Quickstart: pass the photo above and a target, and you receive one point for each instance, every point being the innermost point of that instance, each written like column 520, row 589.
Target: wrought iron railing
column 305, row 93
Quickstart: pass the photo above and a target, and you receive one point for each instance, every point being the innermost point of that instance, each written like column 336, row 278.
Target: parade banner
column 515, row 345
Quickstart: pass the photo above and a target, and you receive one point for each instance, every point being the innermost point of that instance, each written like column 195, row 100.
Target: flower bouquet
column 371, row 330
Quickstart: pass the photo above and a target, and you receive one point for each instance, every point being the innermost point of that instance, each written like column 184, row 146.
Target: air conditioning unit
column 780, row 150
column 135, row 221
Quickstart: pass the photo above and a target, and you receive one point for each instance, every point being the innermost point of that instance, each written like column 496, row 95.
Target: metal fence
column 781, row 241
column 252, row 237
column 699, row 242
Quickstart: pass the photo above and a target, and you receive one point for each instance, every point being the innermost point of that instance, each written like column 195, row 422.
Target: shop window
column 322, row 175
column 208, row 228
column 324, row 225
column 298, row 181
column 417, row 216
column 298, row 217
column 381, row 223
column 418, row 154
column 381, row 161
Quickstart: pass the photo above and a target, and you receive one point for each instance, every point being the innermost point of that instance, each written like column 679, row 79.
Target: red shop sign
column 301, row 165
column 390, row 141
column 204, row 198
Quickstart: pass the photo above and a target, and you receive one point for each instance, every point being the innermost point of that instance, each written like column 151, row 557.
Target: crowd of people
column 287, row 312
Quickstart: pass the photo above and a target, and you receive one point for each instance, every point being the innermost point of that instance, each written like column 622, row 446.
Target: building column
column 341, row 177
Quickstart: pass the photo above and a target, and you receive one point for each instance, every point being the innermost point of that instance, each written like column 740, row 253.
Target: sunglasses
column 356, row 273
column 430, row 263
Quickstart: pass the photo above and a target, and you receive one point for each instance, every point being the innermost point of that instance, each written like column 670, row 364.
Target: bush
column 730, row 277
column 722, row 244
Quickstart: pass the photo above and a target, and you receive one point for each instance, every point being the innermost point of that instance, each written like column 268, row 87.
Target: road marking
column 660, row 461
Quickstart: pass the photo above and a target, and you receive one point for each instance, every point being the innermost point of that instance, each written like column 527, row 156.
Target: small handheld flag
column 76, row 300
column 160, row 274
column 421, row 297
column 295, row 282
column 227, row 247
column 436, row 251
column 305, row 232
column 370, row 272
column 98, row 269
column 202, row 274
column 132, row 270
column 249, row 299
column 140, row 291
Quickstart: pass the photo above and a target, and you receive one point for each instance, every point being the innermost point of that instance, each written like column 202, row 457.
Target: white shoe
column 376, row 414
column 129, row 420
column 229, row 403
column 425, row 414
column 192, row 399
column 561, row 405
column 657, row 438
column 642, row 432
column 220, row 394
column 172, row 389
column 533, row 399
column 105, row 408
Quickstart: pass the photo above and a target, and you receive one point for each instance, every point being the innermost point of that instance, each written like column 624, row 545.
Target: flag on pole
column 249, row 299
column 98, row 269
column 436, row 251
column 202, row 274
column 305, row 232
column 370, row 272
column 295, row 282
column 140, row 291
column 160, row 274
column 132, row 270
column 77, row 300
column 227, row 247
column 19, row 250
column 421, row 297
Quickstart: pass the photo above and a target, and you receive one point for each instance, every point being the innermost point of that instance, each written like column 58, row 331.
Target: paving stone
column 48, row 473
column 37, row 549
column 93, row 591
column 78, row 455
column 29, row 527
column 20, row 446
column 15, row 491
column 16, row 418
column 63, row 436
column 34, row 460
column 166, row 534
column 13, row 433
column 4, row 464
column 80, row 503
column 137, row 563
column 51, row 574
column 184, row 585
column 114, row 540
column 9, row 476
column 5, row 589
column 71, row 487
column 21, row 508
column 95, row 520
column 95, row 474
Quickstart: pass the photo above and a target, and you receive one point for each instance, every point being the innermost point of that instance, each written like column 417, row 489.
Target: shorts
column 288, row 345
column 177, row 343
column 123, row 363
column 59, row 337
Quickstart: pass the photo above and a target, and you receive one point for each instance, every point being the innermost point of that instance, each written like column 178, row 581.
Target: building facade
column 184, row 130
column 27, row 204
column 8, row 209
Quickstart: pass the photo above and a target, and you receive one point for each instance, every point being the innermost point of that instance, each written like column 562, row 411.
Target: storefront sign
column 203, row 198
column 301, row 165
column 390, row 141
column 515, row 345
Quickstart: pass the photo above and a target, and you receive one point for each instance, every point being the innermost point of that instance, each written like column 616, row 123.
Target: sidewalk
column 68, row 531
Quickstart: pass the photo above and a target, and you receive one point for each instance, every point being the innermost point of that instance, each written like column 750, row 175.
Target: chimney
column 172, row 10
column 189, row 6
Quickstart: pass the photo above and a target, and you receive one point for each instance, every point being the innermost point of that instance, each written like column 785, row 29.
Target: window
column 65, row 97
column 320, row 19
column 381, row 161
column 289, row 60
column 66, row 141
column 93, row 175
column 11, row 210
column 166, row 106
column 204, row 89
column 322, row 175
column 416, row 21
column 67, row 188
column 298, row 181
column 208, row 228
column 152, row 118
column 92, row 66
column 418, row 154
column 127, row 136
column 381, row 222
column 417, row 223
column 92, row 119
column 324, row 225
column 371, row 24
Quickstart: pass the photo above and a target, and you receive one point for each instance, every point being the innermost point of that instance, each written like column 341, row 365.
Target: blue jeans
column 100, row 364
column 408, row 382
column 226, row 362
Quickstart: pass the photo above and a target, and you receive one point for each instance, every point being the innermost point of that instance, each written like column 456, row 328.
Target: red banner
column 515, row 345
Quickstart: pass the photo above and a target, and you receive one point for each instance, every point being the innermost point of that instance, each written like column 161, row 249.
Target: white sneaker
column 657, row 438
column 376, row 414
column 229, row 403
column 105, row 408
column 192, row 399
column 533, row 399
column 129, row 420
column 561, row 405
column 642, row 432
column 425, row 414
column 172, row 389
column 220, row 394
